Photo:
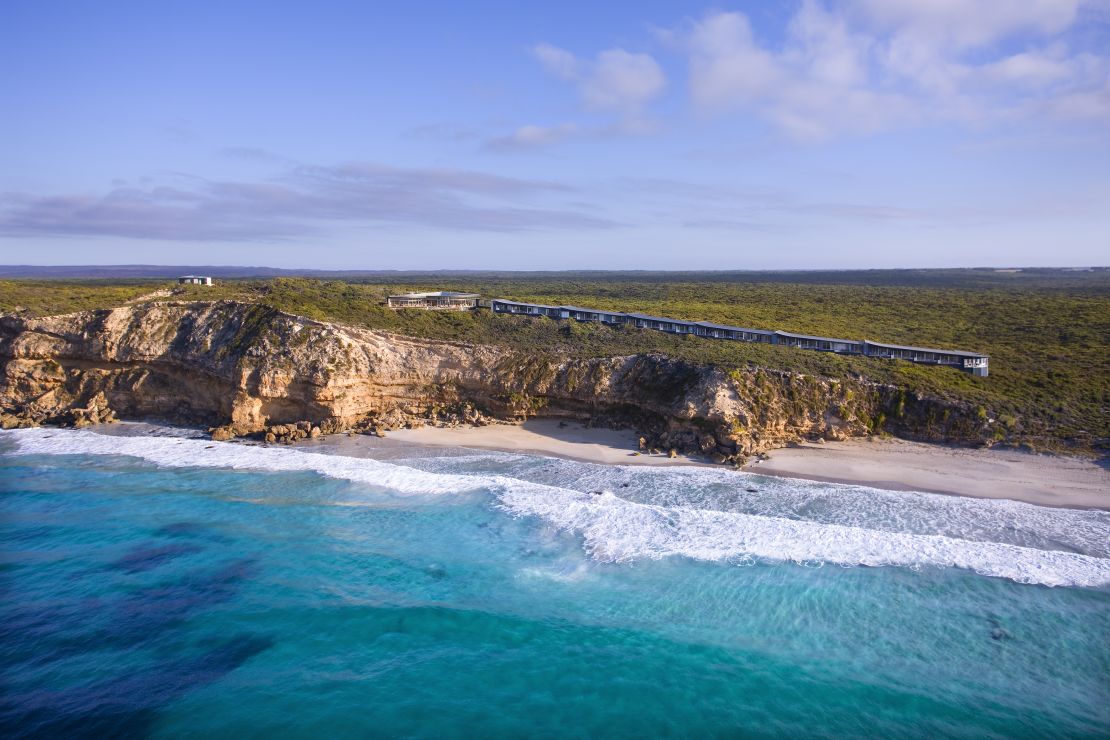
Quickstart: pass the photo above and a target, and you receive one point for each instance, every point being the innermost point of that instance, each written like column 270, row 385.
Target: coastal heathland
column 1046, row 330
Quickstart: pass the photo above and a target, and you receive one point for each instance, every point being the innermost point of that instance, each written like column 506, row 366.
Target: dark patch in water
column 190, row 530
column 146, row 557
column 998, row 632
column 122, row 705
column 41, row 633
column 157, row 606
column 181, row 529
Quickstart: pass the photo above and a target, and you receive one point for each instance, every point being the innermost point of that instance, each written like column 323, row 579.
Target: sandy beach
column 900, row 465
column 892, row 464
column 545, row 437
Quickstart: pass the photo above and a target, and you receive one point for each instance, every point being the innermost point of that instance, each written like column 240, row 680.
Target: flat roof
column 519, row 303
column 711, row 325
column 436, row 294
column 593, row 310
column 649, row 317
column 820, row 339
column 958, row 352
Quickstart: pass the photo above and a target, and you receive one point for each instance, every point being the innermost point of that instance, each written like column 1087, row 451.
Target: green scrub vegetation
column 1047, row 331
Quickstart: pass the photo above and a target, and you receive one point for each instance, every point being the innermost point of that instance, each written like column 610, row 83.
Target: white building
column 194, row 280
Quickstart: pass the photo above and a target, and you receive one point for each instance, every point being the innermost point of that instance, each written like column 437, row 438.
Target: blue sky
column 650, row 135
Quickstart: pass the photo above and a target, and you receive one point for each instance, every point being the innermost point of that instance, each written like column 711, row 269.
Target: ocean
column 158, row 584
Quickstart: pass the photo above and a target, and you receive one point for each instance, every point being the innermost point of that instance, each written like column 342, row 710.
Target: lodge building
column 443, row 300
column 971, row 362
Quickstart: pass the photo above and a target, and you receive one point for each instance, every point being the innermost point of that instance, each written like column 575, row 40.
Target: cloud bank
column 617, row 83
column 301, row 201
column 866, row 66
column 857, row 67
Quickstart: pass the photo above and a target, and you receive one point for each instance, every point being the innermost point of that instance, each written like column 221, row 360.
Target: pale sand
column 898, row 465
column 544, row 437
column 1047, row 480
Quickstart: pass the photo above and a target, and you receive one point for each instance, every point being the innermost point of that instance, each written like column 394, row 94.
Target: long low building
column 823, row 344
column 971, row 362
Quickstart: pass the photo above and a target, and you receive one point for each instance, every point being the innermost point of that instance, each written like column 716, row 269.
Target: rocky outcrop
column 249, row 369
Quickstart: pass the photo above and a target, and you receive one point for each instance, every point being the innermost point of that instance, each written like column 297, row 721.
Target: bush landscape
column 1047, row 331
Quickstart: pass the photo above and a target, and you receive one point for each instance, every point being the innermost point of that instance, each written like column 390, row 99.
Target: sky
column 571, row 135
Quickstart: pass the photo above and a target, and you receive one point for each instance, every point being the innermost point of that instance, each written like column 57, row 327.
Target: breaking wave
column 699, row 514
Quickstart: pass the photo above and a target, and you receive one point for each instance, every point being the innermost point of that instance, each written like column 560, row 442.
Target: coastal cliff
column 248, row 369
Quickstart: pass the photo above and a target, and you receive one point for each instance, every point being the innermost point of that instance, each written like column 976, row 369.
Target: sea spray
column 617, row 529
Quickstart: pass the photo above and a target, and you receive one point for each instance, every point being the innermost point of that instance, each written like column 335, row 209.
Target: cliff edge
column 248, row 369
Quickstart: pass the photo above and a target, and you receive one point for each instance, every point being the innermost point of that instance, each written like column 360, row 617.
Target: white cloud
column 869, row 65
column 529, row 137
column 616, row 80
column 1035, row 68
column 966, row 23
column 816, row 85
column 726, row 64
column 558, row 62
column 1083, row 105
column 620, row 80
column 535, row 137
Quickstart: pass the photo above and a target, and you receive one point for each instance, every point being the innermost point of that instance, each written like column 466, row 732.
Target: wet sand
column 898, row 465
column 892, row 464
column 545, row 437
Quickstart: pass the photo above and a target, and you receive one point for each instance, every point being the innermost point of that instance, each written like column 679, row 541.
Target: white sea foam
column 615, row 529
column 183, row 452
column 792, row 524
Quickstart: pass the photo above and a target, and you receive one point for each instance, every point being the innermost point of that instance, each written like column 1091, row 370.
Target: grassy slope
column 1048, row 333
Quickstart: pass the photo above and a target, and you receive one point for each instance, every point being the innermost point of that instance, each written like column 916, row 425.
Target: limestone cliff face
column 247, row 367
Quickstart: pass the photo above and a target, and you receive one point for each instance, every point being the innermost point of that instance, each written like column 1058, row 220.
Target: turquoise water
column 168, row 587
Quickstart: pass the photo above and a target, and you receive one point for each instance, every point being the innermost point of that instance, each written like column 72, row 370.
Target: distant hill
column 949, row 277
column 171, row 271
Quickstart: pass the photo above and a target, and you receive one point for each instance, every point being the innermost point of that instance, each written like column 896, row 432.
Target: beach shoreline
column 902, row 465
column 884, row 463
column 889, row 464
column 547, row 437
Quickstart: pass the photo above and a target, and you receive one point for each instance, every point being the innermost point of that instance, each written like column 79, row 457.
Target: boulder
column 221, row 434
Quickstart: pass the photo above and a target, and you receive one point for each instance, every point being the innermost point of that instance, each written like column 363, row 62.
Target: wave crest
column 617, row 529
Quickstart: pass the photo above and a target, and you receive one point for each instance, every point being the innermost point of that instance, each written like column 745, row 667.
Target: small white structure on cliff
column 194, row 280
column 443, row 300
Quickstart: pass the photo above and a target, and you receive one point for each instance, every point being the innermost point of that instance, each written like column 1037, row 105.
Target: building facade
column 443, row 300
column 194, row 280
column 970, row 362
